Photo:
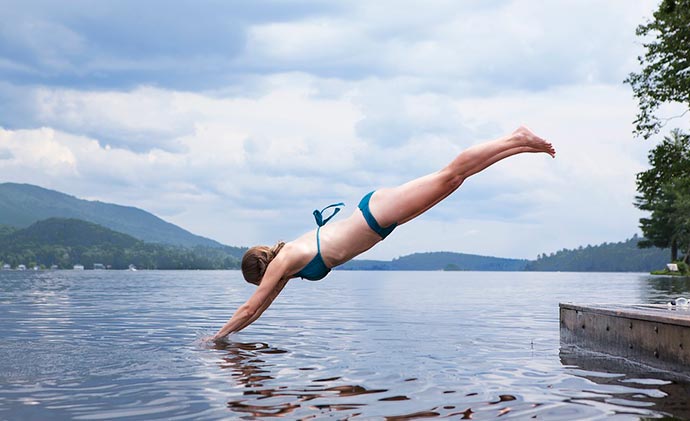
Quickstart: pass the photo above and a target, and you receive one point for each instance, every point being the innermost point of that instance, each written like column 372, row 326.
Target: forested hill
column 608, row 257
column 23, row 204
column 439, row 261
column 67, row 242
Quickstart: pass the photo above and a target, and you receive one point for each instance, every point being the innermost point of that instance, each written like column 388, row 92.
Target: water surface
column 370, row 345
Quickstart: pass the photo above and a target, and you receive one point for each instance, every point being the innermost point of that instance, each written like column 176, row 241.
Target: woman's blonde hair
column 256, row 260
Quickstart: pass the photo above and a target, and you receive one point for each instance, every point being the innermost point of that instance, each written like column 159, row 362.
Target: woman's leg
column 403, row 203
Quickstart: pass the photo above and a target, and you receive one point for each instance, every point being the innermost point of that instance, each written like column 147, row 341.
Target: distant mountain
column 624, row 256
column 439, row 261
column 23, row 204
column 66, row 242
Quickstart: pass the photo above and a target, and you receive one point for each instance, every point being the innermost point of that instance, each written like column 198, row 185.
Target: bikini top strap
column 318, row 215
column 318, row 241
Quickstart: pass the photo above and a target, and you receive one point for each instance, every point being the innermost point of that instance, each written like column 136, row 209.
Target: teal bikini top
column 316, row 269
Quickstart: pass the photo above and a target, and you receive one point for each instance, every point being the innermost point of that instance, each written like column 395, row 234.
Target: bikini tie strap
column 318, row 215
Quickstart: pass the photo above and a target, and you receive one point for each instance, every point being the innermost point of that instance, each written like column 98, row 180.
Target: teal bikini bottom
column 373, row 223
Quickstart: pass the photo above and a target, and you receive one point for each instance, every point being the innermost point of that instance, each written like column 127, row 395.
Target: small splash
column 205, row 340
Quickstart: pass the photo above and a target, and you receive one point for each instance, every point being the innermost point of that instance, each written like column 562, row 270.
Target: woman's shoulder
column 296, row 254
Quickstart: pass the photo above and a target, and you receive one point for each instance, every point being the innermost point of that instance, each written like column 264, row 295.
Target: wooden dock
column 650, row 334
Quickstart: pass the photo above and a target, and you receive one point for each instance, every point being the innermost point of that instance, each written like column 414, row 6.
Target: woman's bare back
column 341, row 240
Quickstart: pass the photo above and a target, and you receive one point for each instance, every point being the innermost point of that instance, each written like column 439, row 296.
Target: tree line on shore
column 625, row 256
column 68, row 242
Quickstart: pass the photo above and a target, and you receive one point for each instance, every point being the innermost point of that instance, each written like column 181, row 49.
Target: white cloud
column 471, row 47
column 257, row 166
column 140, row 119
column 285, row 149
column 335, row 104
column 39, row 152
column 313, row 40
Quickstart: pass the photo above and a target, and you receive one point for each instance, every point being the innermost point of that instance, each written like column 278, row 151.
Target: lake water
column 365, row 345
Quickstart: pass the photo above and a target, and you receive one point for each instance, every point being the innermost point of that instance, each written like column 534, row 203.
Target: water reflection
column 265, row 396
column 110, row 344
column 662, row 289
column 253, row 372
column 618, row 381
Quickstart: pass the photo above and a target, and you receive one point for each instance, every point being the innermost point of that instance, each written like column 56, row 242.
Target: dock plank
column 647, row 333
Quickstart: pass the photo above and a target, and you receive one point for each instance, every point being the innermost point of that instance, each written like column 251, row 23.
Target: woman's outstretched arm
column 272, row 284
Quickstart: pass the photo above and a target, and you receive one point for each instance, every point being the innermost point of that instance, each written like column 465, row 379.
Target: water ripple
column 373, row 345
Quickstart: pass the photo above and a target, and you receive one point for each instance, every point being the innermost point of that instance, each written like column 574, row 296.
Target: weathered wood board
column 650, row 334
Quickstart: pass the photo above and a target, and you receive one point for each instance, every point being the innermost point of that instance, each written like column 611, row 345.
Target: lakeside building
column 78, row 267
column 6, row 267
column 21, row 267
column 98, row 266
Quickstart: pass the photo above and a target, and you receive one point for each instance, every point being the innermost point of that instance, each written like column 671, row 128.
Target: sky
column 235, row 120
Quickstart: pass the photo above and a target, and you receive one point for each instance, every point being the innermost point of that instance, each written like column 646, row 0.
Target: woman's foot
column 535, row 144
